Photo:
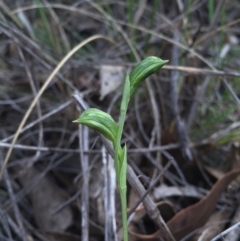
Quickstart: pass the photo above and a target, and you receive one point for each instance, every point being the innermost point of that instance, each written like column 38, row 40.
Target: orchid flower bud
column 99, row 121
column 143, row 70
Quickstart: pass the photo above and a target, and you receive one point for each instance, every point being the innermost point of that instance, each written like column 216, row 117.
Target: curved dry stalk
column 52, row 75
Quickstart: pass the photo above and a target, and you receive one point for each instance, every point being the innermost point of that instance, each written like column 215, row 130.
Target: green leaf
column 99, row 121
column 144, row 69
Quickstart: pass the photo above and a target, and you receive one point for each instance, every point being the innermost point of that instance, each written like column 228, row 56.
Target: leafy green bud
column 143, row 70
column 99, row 121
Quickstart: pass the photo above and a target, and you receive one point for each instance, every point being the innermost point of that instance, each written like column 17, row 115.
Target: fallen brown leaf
column 45, row 198
column 196, row 215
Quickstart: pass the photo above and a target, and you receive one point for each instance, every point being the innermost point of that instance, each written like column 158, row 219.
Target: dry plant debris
column 58, row 58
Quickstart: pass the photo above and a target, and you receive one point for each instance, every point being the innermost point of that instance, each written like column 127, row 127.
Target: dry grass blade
column 15, row 207
column 181, row 131
column 199, row 96
column 30, row 125
column 196, row 97
column 226, row 231
column 210, row 34
column 52, row 75
column 198, row 71
column 38, row 106
column 150, row 188
column 10, row 14
column 61, row 30
column 84, row 146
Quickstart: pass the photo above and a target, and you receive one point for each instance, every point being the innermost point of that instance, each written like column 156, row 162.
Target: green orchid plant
column 105, row 124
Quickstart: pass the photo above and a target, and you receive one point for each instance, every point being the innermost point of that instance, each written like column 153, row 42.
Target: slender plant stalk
column 106, row 125
column 121, row 163
column 123, row 196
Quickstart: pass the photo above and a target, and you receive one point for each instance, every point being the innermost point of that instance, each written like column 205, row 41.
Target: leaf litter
column 200, row 114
